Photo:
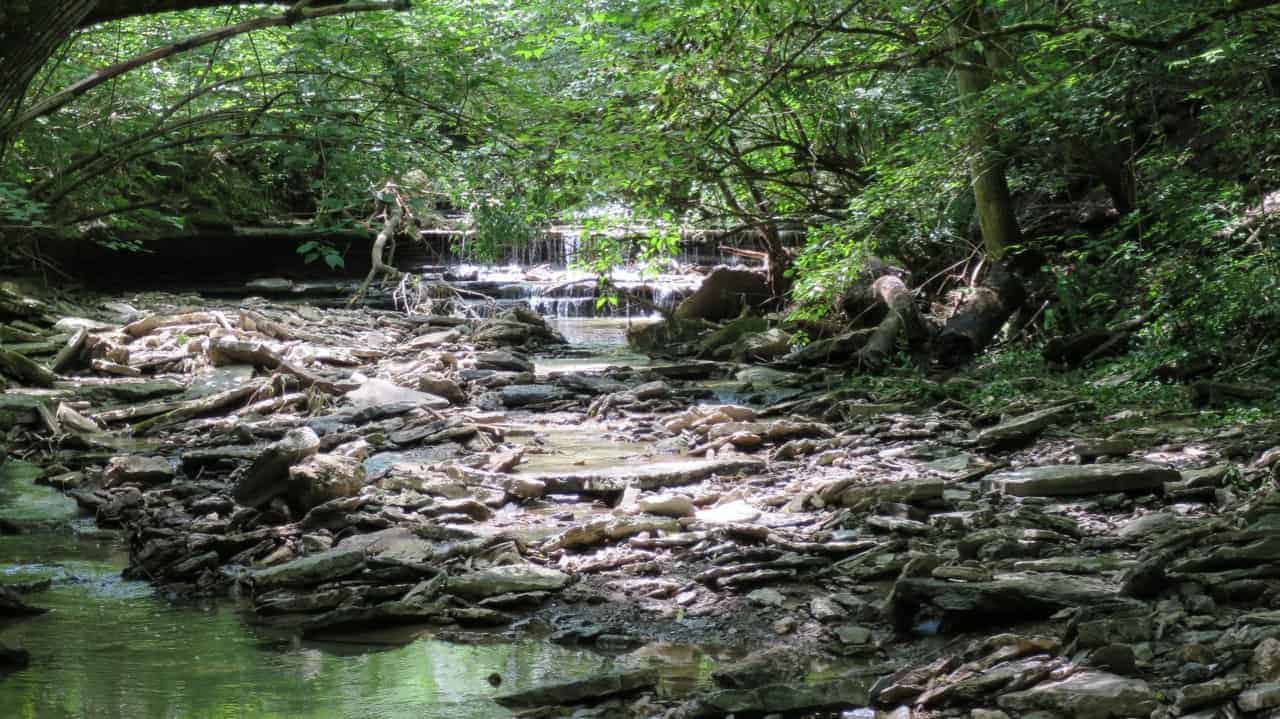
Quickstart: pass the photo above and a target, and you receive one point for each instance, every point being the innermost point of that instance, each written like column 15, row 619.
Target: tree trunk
column 28, row 37
column 17, row 119
column 395, row 215
column 980, row 316
column 987, row 162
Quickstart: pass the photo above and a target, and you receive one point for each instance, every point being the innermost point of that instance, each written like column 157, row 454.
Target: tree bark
column 902, row 318
column 62, row 98
column 395, row 215
column 987, row 162
column 980, row 316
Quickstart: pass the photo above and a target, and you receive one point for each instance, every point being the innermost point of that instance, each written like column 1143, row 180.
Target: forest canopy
column 1120, row 156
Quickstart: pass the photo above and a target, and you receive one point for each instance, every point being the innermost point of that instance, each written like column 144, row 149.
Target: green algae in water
column 113, row 649
column 24, row 502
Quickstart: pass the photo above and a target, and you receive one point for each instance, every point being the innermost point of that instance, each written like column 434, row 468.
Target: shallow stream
column 113, row 648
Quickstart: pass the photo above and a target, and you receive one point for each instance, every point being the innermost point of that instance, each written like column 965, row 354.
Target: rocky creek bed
column 341, row 473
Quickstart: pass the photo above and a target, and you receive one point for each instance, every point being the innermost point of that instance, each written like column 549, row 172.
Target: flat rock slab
column 859, row 496
column 611, row 480
column 1009, row 598
column 596, row 687
column 845, row 693
column 506, row 580
column 377, row 393
column 1020, row 429
column 130, row 391
column 1086, row 695
column 1073, row 480
column 310, row 570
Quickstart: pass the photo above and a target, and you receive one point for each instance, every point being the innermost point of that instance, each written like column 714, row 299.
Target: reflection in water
column 110, row 648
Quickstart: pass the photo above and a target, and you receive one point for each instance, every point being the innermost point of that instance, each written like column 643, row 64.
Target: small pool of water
column 110, row 648
column 597, row 343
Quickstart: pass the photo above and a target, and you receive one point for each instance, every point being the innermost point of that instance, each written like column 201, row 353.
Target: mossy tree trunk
column 988, row 164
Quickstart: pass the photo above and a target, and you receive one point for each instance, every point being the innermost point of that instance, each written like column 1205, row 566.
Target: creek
column 115, row 648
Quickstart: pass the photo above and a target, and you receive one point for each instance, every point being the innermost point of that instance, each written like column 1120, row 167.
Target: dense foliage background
column 1138, row 141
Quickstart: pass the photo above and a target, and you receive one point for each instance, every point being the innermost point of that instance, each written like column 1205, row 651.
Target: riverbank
column 954, row 546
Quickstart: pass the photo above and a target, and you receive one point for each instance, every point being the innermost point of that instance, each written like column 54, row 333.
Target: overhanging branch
column 61, row 99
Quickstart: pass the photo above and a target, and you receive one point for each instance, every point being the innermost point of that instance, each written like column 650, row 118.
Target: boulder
column 507, row 579
column 503, row 361
column 1075, row 480
column 309, row 571
column 762, row 347
column 863, row 496
column 137, row 470
column 1086, row 695
column 379, row 393
column 442, row 387
column 724, row 294
column 322, row 478
column 267, row 476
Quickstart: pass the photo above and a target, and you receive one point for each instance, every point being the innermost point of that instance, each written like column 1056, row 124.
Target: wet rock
column 12, row 605
column 12, row 659
column 1263, row 696
column 25, row 370
column 1264, row 665
column 311, row 570
column 1023, row 428
column 603, row 530
column 762, row 347
column 509, row 579
column 1215, row 691
column 766, row 597
column 137, row 470
column 765, row 666
column 267, row 478
column 1075, row 480
column 1005, row 599
column 1114, row 658
column 322, row 478
column 853, row 634
column 1091, row 449
column 826, row 611
column 503, row 361
column 527, row 395
column 18, row 409
column 597, row 687
column 843, row 693
column 652, row 390
column 1086, row 695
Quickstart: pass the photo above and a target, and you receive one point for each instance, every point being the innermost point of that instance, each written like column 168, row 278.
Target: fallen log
column 229, row 350
column 979, row 317
column 902, row 318
column 1084, row 347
